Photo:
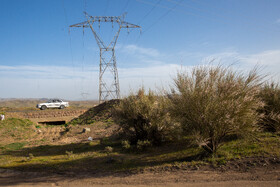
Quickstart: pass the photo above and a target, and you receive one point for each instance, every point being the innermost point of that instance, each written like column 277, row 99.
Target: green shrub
column 108, row 149
column 30, row 157
column 145, row 117
column 213, row 102
column 271, row 122
column 270, row 94
column 69, row 154
column 126, row 144
column 142, row 145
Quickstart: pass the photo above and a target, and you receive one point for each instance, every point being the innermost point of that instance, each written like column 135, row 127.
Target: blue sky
column 39, row 57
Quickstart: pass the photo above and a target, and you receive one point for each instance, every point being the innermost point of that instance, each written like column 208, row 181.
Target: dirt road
column 254, row 177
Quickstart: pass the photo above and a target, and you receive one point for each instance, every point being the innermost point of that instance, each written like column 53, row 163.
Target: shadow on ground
column 99, row 164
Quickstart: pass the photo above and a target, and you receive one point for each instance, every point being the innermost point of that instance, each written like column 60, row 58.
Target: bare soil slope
column 100, row 112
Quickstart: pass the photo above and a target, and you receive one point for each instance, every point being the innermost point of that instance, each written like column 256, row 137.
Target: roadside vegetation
column 144, row 119
column 108, row 155
column 15, row 129
column 270, row 94
column 212, row 116
column 212, row 103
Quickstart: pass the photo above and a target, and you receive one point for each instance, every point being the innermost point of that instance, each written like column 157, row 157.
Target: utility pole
column 107, row 53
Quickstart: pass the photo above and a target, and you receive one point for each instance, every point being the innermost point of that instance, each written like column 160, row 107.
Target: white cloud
column 71, row 82
column 268, row 61
column 136, row 56
column 134, row 49
column 271, row 57
column 228, row 56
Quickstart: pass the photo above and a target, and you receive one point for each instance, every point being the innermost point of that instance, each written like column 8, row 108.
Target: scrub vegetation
column 213, row 116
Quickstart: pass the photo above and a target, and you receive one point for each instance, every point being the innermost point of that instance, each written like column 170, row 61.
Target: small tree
column 144, row 117
column 213, row 102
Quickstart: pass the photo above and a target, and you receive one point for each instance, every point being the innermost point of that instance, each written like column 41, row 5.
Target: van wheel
column 62, row 107
column 43, row 107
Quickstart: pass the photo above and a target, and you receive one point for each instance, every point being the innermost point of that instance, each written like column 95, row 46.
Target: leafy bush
column 108, row 149
column 270, row 94
column 271, row 122
column 126, row 144
column 213, row 102
column 69, row 154
column 142, row 145
column 144, row 117
column 30, row 157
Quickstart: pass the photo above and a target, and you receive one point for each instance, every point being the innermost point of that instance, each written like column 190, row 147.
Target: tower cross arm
column 125, row 24
column 82, row 24
column 103, row 18
column 107, row 52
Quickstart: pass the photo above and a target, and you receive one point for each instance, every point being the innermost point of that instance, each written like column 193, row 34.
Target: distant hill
column 31, row 103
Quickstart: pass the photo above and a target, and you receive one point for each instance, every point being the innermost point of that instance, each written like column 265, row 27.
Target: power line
column 83, row 60
column 106, row 7
column 125, row 40
column 207, row 17
column 107, row 54
column 85, row 5
column 246, row 21
column 194, row 8
column 70, row 43
column 125, row 6
column 165, row 14
column 181, row 11
column 151, row 10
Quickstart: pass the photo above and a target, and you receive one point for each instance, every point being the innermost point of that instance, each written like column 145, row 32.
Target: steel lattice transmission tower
column 107, row 53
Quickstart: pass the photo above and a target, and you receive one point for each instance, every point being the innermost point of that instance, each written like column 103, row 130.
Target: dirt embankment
column 100, row 127
column 102, row 112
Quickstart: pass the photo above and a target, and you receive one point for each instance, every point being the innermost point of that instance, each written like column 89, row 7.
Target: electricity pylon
column 107, row 53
